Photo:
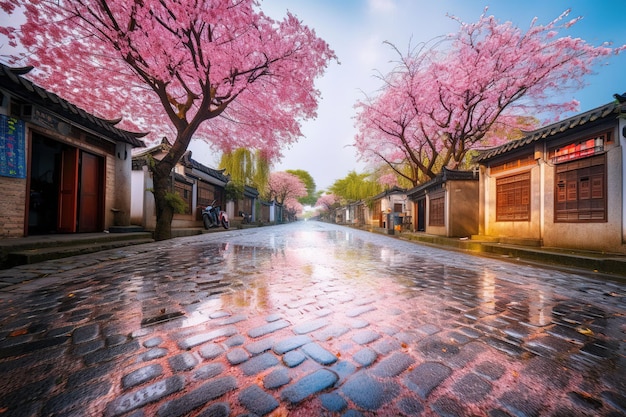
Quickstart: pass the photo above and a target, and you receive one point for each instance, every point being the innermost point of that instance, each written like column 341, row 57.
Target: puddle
column 161, row 318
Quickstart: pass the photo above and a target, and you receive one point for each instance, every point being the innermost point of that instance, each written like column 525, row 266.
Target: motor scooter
column 246, row 218
column 213, row 216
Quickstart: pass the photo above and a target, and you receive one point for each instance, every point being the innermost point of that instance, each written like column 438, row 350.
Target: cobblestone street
column 307, row 319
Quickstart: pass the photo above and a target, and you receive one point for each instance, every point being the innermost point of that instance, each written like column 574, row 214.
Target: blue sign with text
column 12, row 147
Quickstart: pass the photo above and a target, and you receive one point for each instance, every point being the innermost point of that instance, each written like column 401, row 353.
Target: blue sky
column 356, row 29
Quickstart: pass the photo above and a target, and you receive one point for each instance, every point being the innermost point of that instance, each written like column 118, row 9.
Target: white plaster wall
column 123, row 183
column 136, row 201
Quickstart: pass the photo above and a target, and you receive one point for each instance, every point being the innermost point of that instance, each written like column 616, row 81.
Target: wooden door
column 68, row 191
column 89, row 203
column 421, row 215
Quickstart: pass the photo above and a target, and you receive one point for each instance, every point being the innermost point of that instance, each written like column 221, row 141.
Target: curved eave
column 11, row 79
column 590, row 116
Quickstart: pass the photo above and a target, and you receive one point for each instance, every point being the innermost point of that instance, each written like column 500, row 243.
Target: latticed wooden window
column 436, row 211
column 206, row 194
column 580, row 191
column 377, row 209
column 513, row 198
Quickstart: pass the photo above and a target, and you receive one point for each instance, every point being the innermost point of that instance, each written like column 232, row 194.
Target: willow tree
column 246, row 167
column 355, row 187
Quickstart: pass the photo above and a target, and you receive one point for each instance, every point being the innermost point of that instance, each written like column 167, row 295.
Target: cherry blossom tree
column 470, row 90
column 325, row 203
column 218, row 70
column 293, row 208
column 309, row 182
column 284, row 186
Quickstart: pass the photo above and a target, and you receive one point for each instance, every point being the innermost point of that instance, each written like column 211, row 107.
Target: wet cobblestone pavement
column 307, row 319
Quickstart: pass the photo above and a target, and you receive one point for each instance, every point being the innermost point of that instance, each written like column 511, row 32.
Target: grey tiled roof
column 553, row 129
column 392, row 190
column 189, row 162
column 11, row 80
column 445, row 175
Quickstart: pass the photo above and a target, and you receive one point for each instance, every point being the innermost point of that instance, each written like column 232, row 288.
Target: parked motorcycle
column 213, row 216
column 246, row 218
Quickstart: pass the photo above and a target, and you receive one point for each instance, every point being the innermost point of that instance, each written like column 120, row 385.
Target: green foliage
column 150, row 162
column 309, row 183
column 234, row 191
column 355, row 187
column 176, row 202
column 246, row 167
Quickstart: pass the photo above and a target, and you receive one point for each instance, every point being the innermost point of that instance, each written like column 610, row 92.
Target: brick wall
column 13, row 192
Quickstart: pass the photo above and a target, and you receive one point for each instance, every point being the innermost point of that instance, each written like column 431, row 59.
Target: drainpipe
column 621, row 133
column 542, row 193
column 483, row 224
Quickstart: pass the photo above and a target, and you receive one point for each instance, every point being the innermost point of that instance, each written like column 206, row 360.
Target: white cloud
column 381, row 6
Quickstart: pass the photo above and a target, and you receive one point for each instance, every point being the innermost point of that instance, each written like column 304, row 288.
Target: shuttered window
column 436, row 211
column 206, row 193
column 580, row 191
column 513, row 198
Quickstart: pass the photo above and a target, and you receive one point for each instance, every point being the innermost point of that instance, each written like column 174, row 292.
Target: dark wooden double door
column 66, row 189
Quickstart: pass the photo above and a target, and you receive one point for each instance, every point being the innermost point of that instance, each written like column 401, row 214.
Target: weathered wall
column 12, row 206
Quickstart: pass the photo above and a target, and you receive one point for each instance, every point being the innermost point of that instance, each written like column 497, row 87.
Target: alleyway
column 307, row 319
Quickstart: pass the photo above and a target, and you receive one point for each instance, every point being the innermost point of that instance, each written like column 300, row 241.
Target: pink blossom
column 283, row 186
column 293, row 206
column 326, row 201
column 220, row 70
column 389, row 180
column 475, row 91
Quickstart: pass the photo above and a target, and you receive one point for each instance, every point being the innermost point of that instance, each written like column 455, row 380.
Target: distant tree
column 293, row 208
column 246, row 167
column 388, row 177
column 308, row 181
column 325, row 203
column 283, row 186
column 355, row 187
column 174, row 65
column 468, row 91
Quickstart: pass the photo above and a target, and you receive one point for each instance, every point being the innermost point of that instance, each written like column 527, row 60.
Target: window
column 580, row 149
column 580, row 191
column 513, row 198
column 436, row 211
column 206, row 194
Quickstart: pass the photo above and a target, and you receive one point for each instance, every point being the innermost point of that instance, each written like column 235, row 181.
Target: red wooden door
column 89, row 216
column 68, row 191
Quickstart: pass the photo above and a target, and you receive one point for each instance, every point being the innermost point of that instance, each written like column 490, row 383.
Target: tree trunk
column 161, row 177
column 164, row 211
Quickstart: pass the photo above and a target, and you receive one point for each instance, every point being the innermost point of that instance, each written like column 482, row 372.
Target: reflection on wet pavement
column 307, row 319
